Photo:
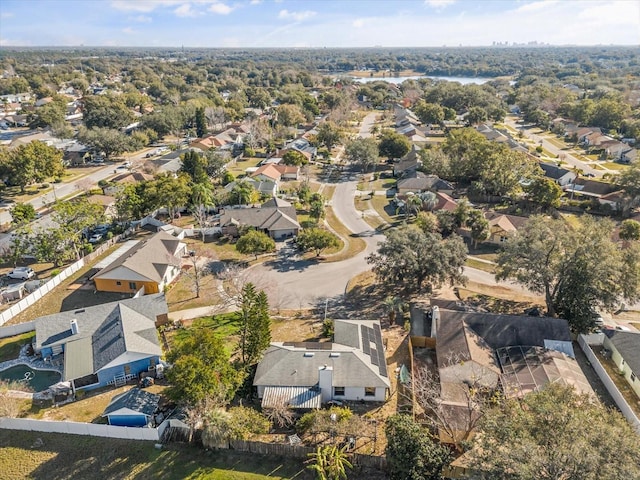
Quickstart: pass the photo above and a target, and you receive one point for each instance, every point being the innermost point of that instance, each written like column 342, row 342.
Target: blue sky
column 319, row 23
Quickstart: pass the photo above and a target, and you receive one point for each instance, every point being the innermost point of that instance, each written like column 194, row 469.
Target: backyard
column 56, row 456
column 10, row 346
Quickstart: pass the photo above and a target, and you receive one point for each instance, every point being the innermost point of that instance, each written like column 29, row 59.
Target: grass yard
column 10, row 346
column 88, row 409
column 493, row 304
column 614, row 166
column 379, row 184
column 240, row 167
column 478, row 265
column 381, row 205
column 63, row 298
column 621, row 382
column 26, row 455
column 354, row 246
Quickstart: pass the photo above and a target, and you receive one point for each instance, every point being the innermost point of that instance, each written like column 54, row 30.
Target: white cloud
column 6, row 15
column 358, row 23
column 536, row 6
column 143, row 5
column 141, row 19
column 185, row 10
column 439, row 4
column 255, row 2
column 128, row 30
column 220, row 8
column 297, row 16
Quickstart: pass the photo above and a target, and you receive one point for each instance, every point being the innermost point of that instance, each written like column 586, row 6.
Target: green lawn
column 614, row 166
column 75, row 456
column 10, row 346
column 485, row 267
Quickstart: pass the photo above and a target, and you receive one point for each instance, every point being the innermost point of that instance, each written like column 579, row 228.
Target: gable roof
column 150, row 259
column 553, row 171
column 628, row 346
column 508, row 223
column 269, row 170
column 296, row 364
column 419, row 181
column 275, row 214
column 136, row 400
column 105, row 332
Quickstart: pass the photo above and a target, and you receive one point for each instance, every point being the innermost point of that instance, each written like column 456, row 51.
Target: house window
column 338, row 391
column 127, row 369
column 152, row 362
column 132, row 285
column 118, row 283
column 633, row 377
column 369, row 391
column 503, row 239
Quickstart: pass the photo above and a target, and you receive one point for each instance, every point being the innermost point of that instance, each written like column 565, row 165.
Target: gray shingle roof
column 553, row 171
column 418, row 181
column 297, row 364
column 104, row 332
column 151, row 259
column 628, row 345
column 274, row 214
column 135, row 399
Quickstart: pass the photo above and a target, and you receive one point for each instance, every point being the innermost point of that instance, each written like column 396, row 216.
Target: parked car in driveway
column 21, row 273
column 95, row 238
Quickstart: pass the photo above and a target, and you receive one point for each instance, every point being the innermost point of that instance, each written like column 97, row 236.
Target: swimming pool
column 37, row 380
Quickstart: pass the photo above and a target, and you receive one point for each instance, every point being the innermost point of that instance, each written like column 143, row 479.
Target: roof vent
column 334, row 354
column 308, row 354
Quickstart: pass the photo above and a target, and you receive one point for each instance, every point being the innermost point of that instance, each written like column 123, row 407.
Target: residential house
column 585, row 187
column 583, row 132
column 105, row 344
column 117, row 184
column 409, row 163
column 417, row 182
column 625, row 353
column 614, row 200
column 629, row 156
column 152, row 264
column 133, row 408
column 275, row 217
column 303, row 146
column 276, row 172
column 266, row 187
column 445, row 202
column 107, row 202
column 514, row 353
column 560, row 175
column 502, row 226
column 308, row 374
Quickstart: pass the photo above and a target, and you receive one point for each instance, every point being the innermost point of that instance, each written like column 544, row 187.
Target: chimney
column 435, row 320
column 325, row 382
column 74, row 327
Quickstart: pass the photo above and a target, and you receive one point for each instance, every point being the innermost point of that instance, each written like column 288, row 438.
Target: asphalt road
column 550, row 147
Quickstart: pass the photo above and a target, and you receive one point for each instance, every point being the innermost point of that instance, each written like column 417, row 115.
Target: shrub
column 57, row 180
column 55, row 271
column 109, row 235
column 245, row 421
column 327, row 328
column 44, row 185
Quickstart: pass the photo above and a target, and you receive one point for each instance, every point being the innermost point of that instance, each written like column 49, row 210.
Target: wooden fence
column 301, row 451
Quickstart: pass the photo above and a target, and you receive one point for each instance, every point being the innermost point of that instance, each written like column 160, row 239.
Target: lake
column 38, row 380
column 398, row 80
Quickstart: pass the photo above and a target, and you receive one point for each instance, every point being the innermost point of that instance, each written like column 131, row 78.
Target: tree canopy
column 363, row 152
column 419, row 261
column 393, row 145
column 577, row 270
column 254, row 242
column 554, row 434
column 317, row 240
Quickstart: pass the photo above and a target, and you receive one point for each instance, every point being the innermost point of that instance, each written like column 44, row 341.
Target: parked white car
column 21, row 273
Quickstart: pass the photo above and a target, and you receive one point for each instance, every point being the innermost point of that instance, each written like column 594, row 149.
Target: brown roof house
column 275, row 217
column 484, row 352
column 501, row 226
column 152, row 264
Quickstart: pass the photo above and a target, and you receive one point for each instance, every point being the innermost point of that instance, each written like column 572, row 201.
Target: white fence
column 12, row 330
column 45, row 288
column 609, row 385
column 77, row 428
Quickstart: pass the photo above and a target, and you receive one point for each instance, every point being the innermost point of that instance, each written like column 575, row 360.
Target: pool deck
column 33, row 362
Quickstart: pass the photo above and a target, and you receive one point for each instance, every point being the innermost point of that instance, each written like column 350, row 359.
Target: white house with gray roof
column 307, row 374
column 106, row 343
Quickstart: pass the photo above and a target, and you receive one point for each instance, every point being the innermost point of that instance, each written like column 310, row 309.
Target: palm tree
column 393, row 306
column 429, row 200
column 412, row 205
column 578, row 172
column 330, row 463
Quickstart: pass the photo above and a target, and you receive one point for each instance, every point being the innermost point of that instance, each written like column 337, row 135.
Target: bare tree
column 452, row 400
column 280, row 414
column 198, row 413
column 215, row 117
column 200, row 269
column 233, row 279
column 11, row 400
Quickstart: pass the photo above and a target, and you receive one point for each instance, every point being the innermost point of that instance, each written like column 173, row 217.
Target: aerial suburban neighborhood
column 332, row 263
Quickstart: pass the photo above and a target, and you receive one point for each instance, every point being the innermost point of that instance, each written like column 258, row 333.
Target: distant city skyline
column 315, row 23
